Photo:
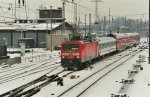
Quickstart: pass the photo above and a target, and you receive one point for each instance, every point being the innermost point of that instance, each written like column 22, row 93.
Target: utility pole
column 15, row 9
column 89, row 24
column 96, row 15
column 109, row 20
column 125, row 25
column 63, row 16
column 149, row 39
column 78, row 24
column 47, row 22
column 141, row 24
column 125, row 21
column 85, row 23
column 104, row 23
column 149, row 44
column 96, row 10
column 75, row 14
column 51, row 29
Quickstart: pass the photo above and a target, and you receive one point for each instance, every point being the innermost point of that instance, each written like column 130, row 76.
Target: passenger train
column 77, row 54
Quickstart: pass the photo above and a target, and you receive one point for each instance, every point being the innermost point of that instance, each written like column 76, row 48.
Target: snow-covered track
column 14, row 92
column 27, row 90
column 23, row 73
column 86, row 83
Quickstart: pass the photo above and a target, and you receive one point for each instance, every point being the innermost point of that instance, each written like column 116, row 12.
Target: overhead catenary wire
column 23, row 6
column 11, row 7
column 29, row 11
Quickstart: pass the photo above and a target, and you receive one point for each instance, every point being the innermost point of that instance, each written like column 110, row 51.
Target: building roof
column 28, row 26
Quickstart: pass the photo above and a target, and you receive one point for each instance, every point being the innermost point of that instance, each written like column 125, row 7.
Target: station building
column 46, row 32
column 11, row 33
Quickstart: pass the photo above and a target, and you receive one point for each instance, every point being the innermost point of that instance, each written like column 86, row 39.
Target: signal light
column 77, row 56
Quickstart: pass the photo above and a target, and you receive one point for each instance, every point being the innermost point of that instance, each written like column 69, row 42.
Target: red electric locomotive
column 78, row 54
column 75, row 54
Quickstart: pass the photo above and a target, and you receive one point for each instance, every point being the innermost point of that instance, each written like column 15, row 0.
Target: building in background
column 12, row 33
column 50, row 20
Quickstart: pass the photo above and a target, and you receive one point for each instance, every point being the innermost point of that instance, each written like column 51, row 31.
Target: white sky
column 119, row 8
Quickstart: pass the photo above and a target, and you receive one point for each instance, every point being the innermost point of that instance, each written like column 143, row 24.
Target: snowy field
column 41, row 61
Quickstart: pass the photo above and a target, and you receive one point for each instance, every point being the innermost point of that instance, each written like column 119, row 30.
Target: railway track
column 23, row 67
column 22, row 72
column 35, row 85
column 25, row 74
column 44, row 80
column 89, row 81
column 14, row 92
column 34, row 90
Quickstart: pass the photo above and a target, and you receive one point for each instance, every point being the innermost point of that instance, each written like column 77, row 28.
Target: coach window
column 104, row 46
column 109, row 45
column 100, row 46
column 112, row 44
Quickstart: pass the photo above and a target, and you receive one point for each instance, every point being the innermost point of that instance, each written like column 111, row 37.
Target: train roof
column 132, row 34
column 99, row 39
column 123, row 35
column 78, row 41
column 106, row 39
column 117, row 35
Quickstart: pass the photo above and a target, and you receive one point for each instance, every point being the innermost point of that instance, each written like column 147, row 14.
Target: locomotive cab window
column 70, row 47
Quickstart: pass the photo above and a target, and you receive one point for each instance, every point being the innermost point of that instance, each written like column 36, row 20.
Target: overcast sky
column 129, row 8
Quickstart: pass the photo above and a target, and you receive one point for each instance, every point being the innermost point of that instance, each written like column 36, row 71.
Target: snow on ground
column 103, row 88
column 141, row 88
column 110, row 85
column 29, row 67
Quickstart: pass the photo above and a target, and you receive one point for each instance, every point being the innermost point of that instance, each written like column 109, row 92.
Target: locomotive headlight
column 75, row 54
column 65, row 54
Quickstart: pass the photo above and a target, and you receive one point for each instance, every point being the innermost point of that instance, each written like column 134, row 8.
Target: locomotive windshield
column 70, row 47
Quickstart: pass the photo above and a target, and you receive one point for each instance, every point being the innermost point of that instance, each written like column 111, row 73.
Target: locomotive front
column 70, row 55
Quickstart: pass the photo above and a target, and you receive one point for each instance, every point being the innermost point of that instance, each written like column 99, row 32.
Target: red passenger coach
column 121, row 40
column 132, row 39
column 75, row 54
column 137, row 38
